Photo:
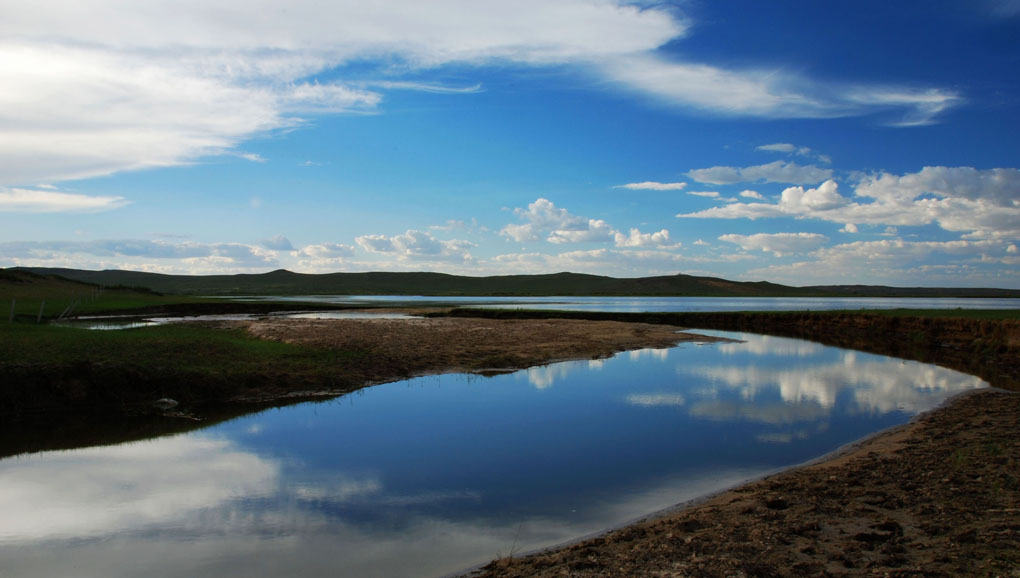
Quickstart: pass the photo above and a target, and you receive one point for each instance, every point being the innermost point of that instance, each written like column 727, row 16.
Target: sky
column 804, row 143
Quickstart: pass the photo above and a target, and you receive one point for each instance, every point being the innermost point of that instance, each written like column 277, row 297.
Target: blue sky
column 795, row 142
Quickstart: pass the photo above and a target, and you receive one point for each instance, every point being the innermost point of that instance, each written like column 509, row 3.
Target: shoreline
column 772, row 525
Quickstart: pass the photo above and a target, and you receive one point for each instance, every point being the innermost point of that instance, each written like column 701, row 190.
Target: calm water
column 433, row 475
column 659, row 304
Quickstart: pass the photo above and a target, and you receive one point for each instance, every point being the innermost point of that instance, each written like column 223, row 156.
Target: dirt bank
column 938, row 497
column 398, row 348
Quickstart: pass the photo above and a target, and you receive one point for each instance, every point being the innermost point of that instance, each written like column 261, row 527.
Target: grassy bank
column 985, row 343
column 45, row 367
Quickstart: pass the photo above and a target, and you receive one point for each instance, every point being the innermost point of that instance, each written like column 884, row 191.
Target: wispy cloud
column 774, row 172
column 791, row 149
column 108, row 86
column 50, row 201
column 653, row 186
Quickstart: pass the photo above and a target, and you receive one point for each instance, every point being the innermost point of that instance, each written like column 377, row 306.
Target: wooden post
column 11, row 317
column 41, row 307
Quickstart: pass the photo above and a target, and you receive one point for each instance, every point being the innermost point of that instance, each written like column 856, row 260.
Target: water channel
column 434, row 475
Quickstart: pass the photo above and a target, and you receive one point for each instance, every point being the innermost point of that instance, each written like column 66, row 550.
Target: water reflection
column 433, row 475
column 877, row 384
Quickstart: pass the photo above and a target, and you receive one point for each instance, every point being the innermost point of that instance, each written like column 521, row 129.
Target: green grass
column 53, row 296
column 175, row 347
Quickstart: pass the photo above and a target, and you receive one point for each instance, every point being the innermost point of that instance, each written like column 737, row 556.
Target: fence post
column 10, row 318
column 41, row 307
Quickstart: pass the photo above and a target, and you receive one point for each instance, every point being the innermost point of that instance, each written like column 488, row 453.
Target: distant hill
column 283, row 282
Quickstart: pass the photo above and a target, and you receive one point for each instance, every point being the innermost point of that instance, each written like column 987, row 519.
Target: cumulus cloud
column 706, row 194
column 50, row 201
column 417, row 245
column 778, row 244
column 653, row 186
column 594, row 231
column 278, row 243
column 326, row 251
column 545, row 219
column 638, row 239
column 109, row 86
column 749, row 194
column 774, row 172
column 982, row 204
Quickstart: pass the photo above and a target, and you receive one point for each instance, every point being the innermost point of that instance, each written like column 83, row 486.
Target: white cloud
column 106, row 86
column 781, row 147
column 982, row 204
column 653, row 186
column 638, row 239
column 595, row 231
column 749, row 194
column 849, row 228
column 557, row 225
column 159, row 256
column 774, row 172
column 50, row 201
column 770, row 93
column 706, row 194
column 449, row 226
column 778, row 243
column 417, row 245
column 898, row 262
column 326, row 251
column 278, row 243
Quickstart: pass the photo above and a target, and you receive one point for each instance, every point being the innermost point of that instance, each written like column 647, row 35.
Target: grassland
column 28, row 297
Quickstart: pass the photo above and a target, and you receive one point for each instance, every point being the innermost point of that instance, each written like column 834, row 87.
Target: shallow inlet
column 433, row 475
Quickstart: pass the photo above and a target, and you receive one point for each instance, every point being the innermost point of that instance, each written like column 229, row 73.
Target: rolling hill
column 283, row 282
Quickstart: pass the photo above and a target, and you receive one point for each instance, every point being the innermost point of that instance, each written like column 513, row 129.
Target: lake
column 430, row 476
column 656, row 304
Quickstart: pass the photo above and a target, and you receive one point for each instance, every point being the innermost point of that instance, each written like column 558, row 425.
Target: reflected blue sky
column 432, row 475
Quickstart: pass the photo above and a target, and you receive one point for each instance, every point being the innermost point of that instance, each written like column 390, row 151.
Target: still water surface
column 433, row 475
column 659, row 304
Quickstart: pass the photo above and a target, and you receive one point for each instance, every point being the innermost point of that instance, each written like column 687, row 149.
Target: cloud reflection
column 811, row 390
column 651, row 354
column 96, row 491
column 767, row 345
